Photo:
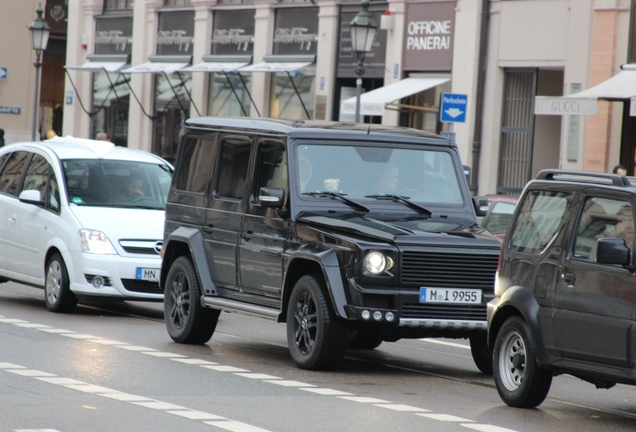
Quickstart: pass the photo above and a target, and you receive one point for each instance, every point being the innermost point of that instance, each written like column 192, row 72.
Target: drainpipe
column 479, row 106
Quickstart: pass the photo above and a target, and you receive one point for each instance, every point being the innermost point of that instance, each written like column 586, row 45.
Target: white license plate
column 148, row 274
column 450, row 295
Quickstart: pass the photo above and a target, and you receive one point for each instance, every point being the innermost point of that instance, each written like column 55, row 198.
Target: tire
column 482, row 355
column 365, row 340
column 519, row 380
column 187, row 321
column 57, row 293
column 317, row 338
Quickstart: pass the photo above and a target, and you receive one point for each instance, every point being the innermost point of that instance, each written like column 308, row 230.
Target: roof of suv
column 586, row 178
column 80, row 148
column 316, row 129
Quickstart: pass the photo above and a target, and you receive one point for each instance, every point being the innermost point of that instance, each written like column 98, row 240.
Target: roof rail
column 584, row 177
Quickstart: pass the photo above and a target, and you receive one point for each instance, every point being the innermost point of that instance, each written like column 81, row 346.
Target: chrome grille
column 449, row 270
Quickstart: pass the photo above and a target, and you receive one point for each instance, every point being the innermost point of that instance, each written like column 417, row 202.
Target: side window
column 271, row 170
column 40, row 177
column 234, row 161
column 196, row 162
column 603, row 217
column 538, row 219
column 12, row 172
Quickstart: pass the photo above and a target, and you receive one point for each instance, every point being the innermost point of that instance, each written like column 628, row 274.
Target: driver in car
column 132, row 189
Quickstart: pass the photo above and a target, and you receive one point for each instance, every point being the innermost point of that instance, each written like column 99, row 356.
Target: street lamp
column 39, row 30
column 363, row 28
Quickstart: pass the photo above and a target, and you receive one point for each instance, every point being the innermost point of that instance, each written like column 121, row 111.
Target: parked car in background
column 564, row 297
column 499, row 214
column 82, row 219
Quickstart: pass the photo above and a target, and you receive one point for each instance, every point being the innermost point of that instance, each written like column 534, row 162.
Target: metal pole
column 36, row 101
column 358, row 91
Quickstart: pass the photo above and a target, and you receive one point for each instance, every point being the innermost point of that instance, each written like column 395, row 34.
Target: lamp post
column 39, row 30
column 363, row 28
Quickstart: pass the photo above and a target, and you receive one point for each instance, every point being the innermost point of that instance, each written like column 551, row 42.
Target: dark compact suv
column 350, row 234
column 565, row 289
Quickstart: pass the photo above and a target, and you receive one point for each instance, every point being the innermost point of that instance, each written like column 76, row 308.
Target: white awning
column 620, row 86
column 156, row 67
column 372, row 102
column 98, row 66
column 275, row 67
column 215, row 67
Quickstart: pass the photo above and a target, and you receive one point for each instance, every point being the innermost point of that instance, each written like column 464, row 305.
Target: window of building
column 293, row 94
column 118, row 4
column 176, row 3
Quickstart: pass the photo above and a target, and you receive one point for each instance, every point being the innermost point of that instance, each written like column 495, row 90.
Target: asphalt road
column 113, row 367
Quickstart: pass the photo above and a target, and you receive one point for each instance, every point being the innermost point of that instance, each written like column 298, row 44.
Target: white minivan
column 82, row 219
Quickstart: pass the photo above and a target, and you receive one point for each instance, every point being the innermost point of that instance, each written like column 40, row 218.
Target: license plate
column 450, row 295
column 147, row 274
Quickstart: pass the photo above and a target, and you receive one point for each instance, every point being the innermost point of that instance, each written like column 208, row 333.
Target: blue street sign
column 3, row 72
column 452, row 108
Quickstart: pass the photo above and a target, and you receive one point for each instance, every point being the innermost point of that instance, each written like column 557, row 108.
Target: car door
column 594, row 313
column 264, row 232
column 224, row 213
column 10, row 181
column 36, row 224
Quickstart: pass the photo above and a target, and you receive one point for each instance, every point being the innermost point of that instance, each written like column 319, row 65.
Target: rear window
column 538, row 219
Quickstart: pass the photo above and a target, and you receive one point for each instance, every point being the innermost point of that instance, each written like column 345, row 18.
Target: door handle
column 568, row 279
column 208, row 228
column 247, row 235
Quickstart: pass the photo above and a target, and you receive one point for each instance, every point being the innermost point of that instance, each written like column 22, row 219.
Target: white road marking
column 402, row 408
column 258, row 376
column 362, row 399
column 289, row 383
column 441, row 342
column 445, row 418
column 213, row 419
column 136, row 348
column 326, row 391
column 163, row 354
column 79, row 336
column 193, row 361
column 486, row 428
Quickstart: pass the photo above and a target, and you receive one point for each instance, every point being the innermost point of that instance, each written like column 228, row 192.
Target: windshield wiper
column 403, row 199
column 344, row 198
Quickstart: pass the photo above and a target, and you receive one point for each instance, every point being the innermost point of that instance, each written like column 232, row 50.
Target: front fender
column 328, row 262
column 517, row 300
column 193, row 240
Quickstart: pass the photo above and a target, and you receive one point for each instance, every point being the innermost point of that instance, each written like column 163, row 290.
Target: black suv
column 351, row 234
column 565, row 289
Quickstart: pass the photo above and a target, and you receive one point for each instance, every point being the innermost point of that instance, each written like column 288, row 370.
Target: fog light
column 377, row 315
column 390, row 316
column 365, row 314
column 98, row 282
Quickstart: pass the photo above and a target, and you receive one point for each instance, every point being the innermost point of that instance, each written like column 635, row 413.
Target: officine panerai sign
column 428, row 36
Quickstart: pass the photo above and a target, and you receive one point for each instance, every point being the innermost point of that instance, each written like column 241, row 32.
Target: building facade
column 137, row 69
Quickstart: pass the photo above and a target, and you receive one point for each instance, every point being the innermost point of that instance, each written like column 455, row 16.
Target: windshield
column 115, row 183
column 371, row 173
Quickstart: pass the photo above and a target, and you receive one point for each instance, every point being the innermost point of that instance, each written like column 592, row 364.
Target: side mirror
column 481, row 205
column 31, row 196
column 271, row 197
column 612, row 251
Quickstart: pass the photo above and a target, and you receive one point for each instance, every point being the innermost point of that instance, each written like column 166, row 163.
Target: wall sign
column 233, row 32
column 113, row 35
column 296, row 31
column 176, row 33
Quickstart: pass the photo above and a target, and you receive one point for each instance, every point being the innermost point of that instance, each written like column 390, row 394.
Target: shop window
column 118, row 4
column 293, row 94
column 229, row 95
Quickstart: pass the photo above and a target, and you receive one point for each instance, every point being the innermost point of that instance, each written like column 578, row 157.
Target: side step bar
column 240, row 307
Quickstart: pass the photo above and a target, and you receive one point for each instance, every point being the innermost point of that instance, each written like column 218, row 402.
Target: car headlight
column 96, row 242
column 376, row 262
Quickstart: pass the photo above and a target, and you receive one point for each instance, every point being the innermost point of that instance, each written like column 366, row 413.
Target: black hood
column 402, row 230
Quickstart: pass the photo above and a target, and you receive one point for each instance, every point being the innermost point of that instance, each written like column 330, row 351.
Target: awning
column 98, row 63
column 276, row 63
column 161, row 64
column 372, row 103
column 620, row 87
column 213, row 63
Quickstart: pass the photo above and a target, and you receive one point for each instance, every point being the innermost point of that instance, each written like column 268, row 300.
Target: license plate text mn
column 147, row 274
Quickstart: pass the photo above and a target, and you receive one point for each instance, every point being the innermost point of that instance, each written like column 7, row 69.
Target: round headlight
column 375, row 262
